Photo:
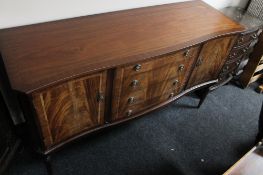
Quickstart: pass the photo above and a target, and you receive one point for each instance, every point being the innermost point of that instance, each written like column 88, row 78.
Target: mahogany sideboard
column 71, row 77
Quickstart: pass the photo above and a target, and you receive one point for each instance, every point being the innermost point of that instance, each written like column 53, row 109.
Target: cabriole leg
column 47, row 161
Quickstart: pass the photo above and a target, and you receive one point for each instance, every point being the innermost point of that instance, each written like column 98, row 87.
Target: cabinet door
column 70, row 108
column 211, row 60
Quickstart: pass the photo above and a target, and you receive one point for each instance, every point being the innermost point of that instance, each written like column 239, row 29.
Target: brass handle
column 187, row 53
column 137, row 67
column 199, row 62
column 131, row 100
column 233, row 55
column 225, row 68
column 135, row 83
column 175, row 83
column 100, row 97
column 254, row 36
column 241, row 40
column 245, row 50
column 129, row 113
column 171, row 95
column 181, row 67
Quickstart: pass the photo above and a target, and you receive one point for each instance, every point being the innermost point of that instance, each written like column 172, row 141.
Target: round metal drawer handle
column 254, row 36
column 129, row 113
column 135, row 83
column 171, row 95
column 241, row 40
column 131, row 100
column 137, row 67
column 187, row 53
column 175, row 83
column 100, row 97
column 181, row 67
column 225, row 68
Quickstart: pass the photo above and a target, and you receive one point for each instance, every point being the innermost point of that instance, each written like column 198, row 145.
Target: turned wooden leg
column 47, row 161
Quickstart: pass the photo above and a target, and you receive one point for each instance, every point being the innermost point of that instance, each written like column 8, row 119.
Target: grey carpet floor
column 178, row 139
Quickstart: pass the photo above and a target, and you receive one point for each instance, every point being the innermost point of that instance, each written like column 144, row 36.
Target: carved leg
column 202, row 94
column 47, row 161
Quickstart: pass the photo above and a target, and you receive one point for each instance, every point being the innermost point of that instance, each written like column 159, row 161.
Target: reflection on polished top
column 37, row 56
column 242, row 17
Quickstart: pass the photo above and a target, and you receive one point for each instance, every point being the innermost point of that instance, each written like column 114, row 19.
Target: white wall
column 226, row 3
column 22, row 12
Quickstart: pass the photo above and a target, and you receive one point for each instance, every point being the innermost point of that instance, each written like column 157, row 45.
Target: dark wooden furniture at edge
column 9, row 142
column 76, row 76
column 250, row 68
column 241, row 60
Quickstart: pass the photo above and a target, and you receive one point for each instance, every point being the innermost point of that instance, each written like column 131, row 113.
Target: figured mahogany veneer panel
column 211, row 60
column 41, row 55
column 70, row 108
column 155, row 80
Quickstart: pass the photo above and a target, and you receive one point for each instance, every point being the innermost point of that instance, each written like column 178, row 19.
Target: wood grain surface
column 70, row 108
column 158, row 80
column 211, row 60
column 41, row 55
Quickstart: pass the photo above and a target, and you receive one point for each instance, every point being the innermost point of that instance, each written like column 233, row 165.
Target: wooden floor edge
column 237, row 163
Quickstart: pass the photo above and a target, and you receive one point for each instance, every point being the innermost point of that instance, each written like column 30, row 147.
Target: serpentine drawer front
column 142, row 85
column 76, row 76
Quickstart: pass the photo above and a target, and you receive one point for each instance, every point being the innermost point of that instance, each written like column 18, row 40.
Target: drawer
column 130, row 111
column 142, row 99
column 238, row 53
column 156, row 76
column 248, row 38
column 134, row 97
column 161, row 61
column 229, row 68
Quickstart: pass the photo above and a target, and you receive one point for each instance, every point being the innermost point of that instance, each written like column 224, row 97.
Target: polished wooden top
column 40, row 55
